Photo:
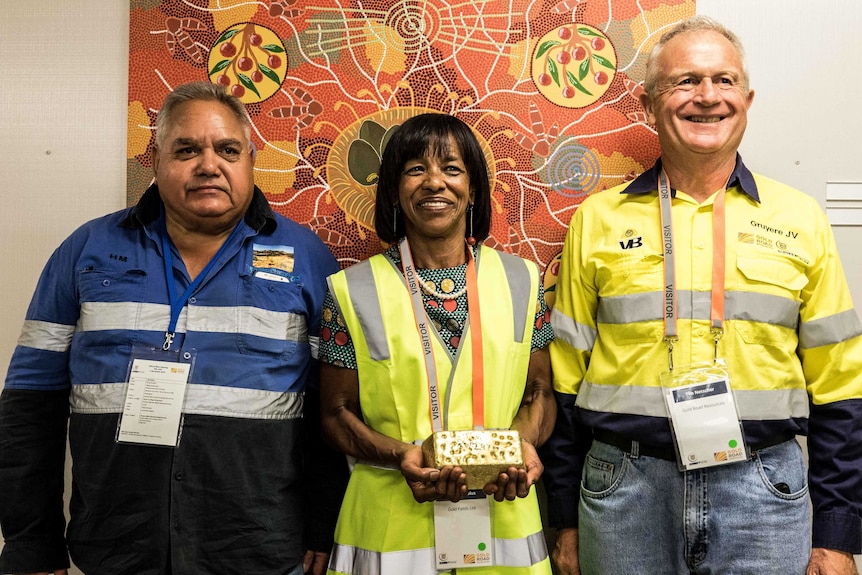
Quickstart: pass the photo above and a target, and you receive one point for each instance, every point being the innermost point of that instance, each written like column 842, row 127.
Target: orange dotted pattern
column 350, row 71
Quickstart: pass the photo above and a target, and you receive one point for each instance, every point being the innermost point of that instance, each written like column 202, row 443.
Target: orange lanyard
column 719, row 256
column 424, row 328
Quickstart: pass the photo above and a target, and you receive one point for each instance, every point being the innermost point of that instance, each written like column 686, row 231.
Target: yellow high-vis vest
column 381, row 529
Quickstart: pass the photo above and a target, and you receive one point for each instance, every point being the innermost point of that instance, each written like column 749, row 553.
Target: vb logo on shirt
column 631, row 243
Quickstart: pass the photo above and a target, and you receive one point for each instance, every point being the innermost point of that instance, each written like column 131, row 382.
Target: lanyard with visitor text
column 177, row 304
column 423, row 326
column 716, row 312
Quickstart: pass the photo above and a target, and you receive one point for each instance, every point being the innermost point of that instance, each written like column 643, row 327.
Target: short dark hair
column 203, row 91
column 419, row 136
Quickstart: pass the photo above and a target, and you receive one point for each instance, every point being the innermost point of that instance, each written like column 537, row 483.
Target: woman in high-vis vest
column 437, row 333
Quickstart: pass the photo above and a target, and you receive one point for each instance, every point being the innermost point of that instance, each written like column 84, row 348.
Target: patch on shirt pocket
column 272, row 318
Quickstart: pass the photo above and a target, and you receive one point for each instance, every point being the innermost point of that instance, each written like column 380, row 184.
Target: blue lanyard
column 178, row 303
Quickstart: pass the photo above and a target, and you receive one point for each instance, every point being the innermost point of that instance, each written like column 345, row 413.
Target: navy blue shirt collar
column 259, row 215
column 741, row 176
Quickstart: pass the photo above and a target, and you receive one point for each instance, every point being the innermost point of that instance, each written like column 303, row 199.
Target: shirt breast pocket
column 779, row 275
column 629, row 312
column 763, row 274
column 111, row 308
column 272, row 318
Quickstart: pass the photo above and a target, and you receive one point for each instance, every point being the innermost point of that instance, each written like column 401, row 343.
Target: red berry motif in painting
column 549, row 87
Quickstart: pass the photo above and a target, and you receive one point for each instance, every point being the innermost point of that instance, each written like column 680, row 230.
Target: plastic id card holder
column 462, row 532
column 703, row 416
column 155, row 393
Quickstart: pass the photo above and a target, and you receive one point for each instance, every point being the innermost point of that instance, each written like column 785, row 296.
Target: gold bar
column 481, row 454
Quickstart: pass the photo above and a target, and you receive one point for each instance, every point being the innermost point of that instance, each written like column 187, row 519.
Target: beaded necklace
column 429, row 288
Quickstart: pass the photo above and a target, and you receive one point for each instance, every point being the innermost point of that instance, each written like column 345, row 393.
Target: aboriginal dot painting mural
column 550, row 87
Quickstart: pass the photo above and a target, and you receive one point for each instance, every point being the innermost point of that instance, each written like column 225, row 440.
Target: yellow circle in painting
column 249, row 61
column 447, row 285
column 574, row 65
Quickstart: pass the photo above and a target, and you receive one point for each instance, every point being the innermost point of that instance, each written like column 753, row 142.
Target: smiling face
column 701, row 103
column 204, row 168
column 434, row 192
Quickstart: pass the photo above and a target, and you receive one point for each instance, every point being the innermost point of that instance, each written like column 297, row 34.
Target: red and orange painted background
column 549, row 86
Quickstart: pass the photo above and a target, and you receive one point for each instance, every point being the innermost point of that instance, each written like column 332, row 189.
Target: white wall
column 62, row 135
column 63, row 119
column 805, row 125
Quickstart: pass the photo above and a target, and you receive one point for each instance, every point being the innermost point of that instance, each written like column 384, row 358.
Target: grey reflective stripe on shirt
column 200, row 400
column 577, row 335
column 738, row 305
column 507, row 553
column 758, row 405
column 130, row 316
column 46, row 335
column 829, row 330
column 361, row 283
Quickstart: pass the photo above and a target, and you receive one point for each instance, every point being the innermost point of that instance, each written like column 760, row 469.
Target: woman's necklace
column 428, row 287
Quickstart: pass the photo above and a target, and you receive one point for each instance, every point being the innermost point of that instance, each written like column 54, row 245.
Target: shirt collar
column 259, row 215
column 741, row 176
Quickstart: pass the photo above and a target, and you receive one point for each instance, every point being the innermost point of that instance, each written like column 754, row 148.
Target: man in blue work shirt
column 181, row 335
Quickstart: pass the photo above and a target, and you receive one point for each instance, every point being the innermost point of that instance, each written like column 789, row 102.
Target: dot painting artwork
column 550, row 87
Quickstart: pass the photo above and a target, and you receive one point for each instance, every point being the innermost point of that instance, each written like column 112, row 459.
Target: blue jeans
column 642, row 516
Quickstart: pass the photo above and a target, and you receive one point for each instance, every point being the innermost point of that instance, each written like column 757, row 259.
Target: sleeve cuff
column 563, row 510
column 33, row 556
column 839, row 531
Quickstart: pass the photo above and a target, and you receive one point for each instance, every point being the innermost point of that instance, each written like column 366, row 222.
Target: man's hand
column 516, row 482
column 314, row 562
column 565, row 553
column 429, row 484
column 831, row 562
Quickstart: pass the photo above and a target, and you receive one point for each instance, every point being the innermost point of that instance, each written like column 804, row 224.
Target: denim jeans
column 642, row 516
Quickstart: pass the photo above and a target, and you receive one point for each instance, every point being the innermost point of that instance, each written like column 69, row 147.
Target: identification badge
column 703, row 416
column 462, row 532
column 155, row 393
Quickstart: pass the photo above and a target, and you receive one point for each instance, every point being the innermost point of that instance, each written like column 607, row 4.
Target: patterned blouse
column 446, row 315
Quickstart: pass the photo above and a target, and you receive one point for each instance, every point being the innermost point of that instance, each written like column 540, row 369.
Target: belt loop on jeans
column 635, row 449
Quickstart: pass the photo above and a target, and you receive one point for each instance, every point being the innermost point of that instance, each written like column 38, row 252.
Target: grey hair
column 202, row 91
column 698, row 23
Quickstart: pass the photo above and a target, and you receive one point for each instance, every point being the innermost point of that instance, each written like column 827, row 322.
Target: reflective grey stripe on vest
column 361, row 283
column 200, row 400
column 360, row 286
column 507, row 553
column 518, row 276
column 748, row 306
column 755, row 405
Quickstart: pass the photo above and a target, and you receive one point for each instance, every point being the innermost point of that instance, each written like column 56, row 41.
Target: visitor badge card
column 462, row 532
column 154, row 402
column 705, row 424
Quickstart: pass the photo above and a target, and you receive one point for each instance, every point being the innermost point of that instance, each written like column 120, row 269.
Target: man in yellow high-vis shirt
column 702, row 321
